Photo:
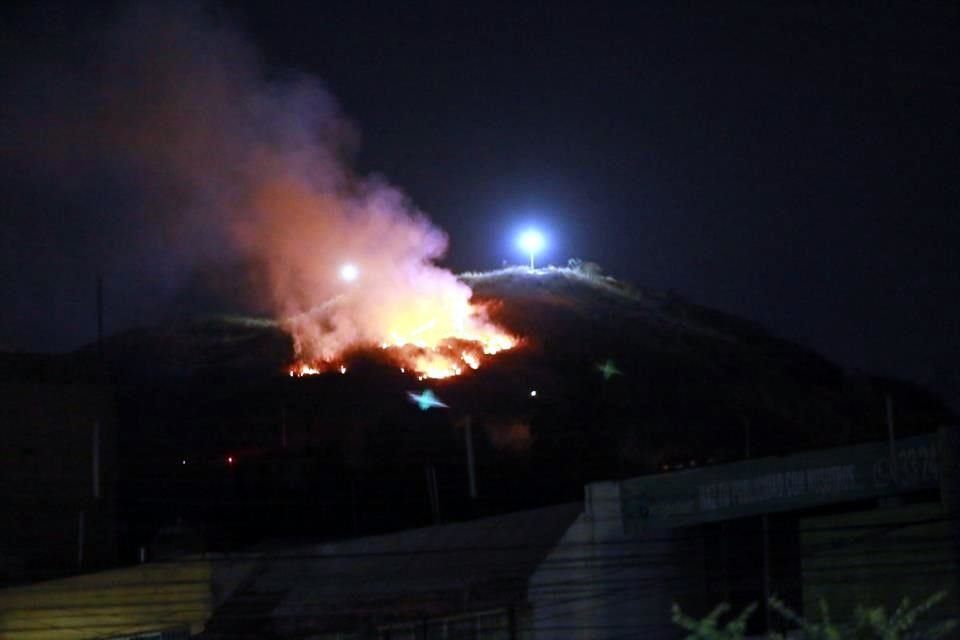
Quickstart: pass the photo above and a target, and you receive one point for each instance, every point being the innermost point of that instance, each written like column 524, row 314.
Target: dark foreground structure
column 841, row 524
column 58, row 467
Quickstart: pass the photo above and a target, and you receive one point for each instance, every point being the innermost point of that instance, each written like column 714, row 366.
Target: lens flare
column 349, row 272
column 532, row 241
column 426, row 400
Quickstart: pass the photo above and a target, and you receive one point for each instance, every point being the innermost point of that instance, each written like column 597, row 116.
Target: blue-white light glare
column 532, row 242
column 349, row 272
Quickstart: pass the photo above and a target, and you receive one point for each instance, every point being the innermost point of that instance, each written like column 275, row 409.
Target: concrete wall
column 598, row 583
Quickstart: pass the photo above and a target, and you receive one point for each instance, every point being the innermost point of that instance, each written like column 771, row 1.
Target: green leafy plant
column 900, row 625
column 709, row 628
column 867, row 623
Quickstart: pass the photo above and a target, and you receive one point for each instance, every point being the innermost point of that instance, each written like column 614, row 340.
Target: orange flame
column 299, row 369
column 431, row 348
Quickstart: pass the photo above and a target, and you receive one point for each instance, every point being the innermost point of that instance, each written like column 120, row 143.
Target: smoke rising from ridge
column 207, row 154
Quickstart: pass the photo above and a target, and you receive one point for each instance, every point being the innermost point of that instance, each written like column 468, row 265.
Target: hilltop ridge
column 692, row 386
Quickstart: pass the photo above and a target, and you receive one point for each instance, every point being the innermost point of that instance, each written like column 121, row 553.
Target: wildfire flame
column 300, row 369
column 345, row 260
column 441, row 346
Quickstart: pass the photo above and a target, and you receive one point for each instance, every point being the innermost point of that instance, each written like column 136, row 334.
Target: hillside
column 695, row 386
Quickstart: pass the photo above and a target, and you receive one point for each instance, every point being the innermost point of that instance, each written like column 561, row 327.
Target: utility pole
column 948, row 445
column 894, row 476
column 100, row 316
column 767, row 589
column 81, row 526
column 95, row 459
column 471, row 473
column 433, row 493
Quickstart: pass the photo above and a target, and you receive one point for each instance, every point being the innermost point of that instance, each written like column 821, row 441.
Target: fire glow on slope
column 256, row 162
column 428, row 342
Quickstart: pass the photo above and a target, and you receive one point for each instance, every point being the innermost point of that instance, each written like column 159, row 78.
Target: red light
column 229, row 459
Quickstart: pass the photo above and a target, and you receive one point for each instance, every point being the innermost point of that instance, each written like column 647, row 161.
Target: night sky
column 796, row 164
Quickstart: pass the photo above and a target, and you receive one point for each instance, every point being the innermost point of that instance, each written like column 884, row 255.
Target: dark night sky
column 792, row 163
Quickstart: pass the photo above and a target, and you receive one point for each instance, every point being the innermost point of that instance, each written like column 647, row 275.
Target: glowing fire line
column 429, row 354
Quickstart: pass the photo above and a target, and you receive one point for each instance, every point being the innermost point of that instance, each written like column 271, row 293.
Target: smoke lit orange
column 441, row 344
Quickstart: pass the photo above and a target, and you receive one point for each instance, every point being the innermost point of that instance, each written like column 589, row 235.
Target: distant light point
column 532, row 242
column 349, row 272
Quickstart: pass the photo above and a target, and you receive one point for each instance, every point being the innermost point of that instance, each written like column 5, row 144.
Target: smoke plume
column 209, row 155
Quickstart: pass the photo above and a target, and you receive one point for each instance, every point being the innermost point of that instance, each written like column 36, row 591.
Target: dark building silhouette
column 57, row 473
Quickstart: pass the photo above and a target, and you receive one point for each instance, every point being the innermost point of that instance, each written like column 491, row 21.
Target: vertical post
column 948, row 445
column 436, row 492
column 80, row 541
column 100, row 316
column 432, row 491
column 353, row 503
column 765, row 523
column 471, row 474
column 894, row 476
column 746, row 436
column 95, row 458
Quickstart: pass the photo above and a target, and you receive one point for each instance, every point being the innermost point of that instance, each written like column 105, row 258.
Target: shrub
column 868, row 623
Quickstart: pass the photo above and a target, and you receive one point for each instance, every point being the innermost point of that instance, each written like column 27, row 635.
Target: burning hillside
column 431, row 337
column 353, row 267
column 695, row 385
column 236, row 163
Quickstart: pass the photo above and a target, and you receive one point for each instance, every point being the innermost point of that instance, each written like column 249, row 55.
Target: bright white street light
column 531, row 241
column 349, row 272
